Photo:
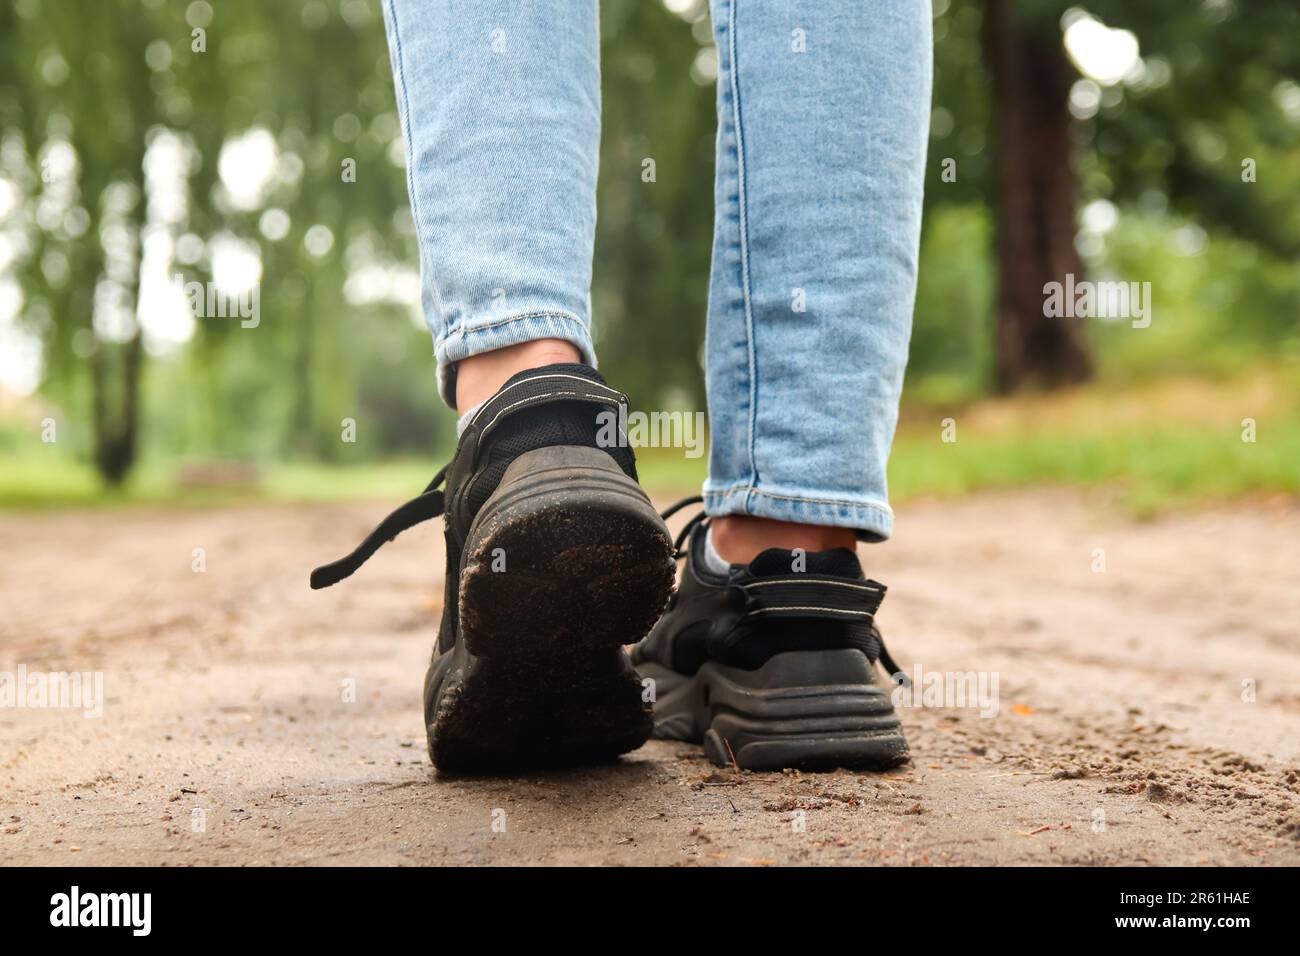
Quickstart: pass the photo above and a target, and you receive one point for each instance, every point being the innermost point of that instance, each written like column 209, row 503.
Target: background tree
column 1211, row 90
column 1034, row 195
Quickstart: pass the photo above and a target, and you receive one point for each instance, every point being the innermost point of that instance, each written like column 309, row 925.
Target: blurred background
column 256, row 146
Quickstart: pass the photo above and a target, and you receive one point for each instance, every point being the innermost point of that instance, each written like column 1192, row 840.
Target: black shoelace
column 835, row 600
column 428, row 504
column 678, row 553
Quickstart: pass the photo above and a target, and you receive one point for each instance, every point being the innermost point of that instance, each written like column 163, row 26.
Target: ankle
column 480, row 376
column 741, row 538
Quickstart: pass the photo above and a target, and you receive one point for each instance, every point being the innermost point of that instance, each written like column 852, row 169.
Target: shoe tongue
column 840, row 562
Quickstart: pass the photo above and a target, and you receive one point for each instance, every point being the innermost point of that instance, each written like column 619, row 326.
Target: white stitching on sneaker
column 828, row 610
column 838, row 584
column 577, row 378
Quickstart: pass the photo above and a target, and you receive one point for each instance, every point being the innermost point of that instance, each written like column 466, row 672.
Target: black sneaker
column 772, row 664
column 555, row 559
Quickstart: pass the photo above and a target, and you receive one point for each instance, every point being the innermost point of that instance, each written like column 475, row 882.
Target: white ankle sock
column 464, row 419
column 714, row 563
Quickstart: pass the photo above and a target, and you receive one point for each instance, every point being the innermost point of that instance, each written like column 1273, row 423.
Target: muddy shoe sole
column 802, row 709
column 565, row 563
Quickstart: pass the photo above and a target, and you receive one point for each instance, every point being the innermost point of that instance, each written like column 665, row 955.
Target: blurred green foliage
column 1160, row 160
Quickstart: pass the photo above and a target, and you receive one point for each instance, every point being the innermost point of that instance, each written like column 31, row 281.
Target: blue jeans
column 823, row 116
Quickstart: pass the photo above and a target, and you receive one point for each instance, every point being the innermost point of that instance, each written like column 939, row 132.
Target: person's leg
column 500, row 107
column 823, row 112
column 556, row 558
column 767, row 652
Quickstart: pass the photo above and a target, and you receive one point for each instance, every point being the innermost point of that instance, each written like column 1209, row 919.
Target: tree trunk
column 1036, row 193
column 116, row 408
column 305, row 439
column 114, row 367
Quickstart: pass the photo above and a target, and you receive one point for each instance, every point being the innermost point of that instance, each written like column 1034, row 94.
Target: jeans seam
column 749, row 489
column 562, row 325
column 515, row 317
column 742, row 195
column 399, row 63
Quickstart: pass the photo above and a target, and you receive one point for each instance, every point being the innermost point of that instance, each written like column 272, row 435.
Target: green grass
column 1168, row 445
column 50, row 480
column 1154, row 468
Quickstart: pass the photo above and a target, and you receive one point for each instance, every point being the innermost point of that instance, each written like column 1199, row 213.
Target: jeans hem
column 872, row 520
column 513, row 329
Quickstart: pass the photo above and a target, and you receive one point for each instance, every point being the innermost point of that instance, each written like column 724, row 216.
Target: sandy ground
column 1122, row 735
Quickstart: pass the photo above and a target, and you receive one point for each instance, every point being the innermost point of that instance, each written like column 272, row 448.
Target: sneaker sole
column 802, row 709
column 565, row 563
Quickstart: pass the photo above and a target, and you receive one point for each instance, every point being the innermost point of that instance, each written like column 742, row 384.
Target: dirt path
column 1122, row 734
